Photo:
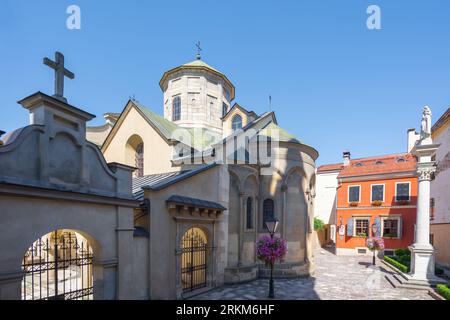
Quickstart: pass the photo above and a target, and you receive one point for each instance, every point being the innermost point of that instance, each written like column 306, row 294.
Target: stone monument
column 422, row 252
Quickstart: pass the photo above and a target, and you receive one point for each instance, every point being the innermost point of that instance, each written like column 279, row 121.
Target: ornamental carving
column 426, row 173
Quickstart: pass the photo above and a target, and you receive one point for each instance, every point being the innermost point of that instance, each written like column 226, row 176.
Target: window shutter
column 378, row 224
column 350, row 222
column 400, row 227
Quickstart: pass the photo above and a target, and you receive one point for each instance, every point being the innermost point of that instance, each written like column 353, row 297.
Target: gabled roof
column 188, row 201
column 164, row 127
column 276, row 133
column 161, row 181
column 330, row 167
column 394, row 163
column 197, row 65
column 238, row 106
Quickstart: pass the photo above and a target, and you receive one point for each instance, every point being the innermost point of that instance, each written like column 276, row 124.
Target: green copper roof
column 201, row 138
column 166, row 127
column 273, row 131
column 200, row 63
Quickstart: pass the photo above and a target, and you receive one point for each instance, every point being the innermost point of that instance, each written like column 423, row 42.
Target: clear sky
column 334, row 83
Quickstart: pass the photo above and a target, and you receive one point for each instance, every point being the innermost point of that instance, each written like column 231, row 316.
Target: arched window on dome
column 176, row 109
column 224, row 109
column 236, row 123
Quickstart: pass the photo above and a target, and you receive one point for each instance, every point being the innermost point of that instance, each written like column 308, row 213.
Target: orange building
column 377, row 193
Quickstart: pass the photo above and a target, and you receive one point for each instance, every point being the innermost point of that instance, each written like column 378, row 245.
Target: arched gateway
column 193, row 260
column 58, row 266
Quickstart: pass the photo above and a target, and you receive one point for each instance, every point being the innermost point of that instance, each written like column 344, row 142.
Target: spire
column 198, row 56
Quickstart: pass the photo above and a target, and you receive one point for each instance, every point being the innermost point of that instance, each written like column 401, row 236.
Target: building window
column 268, row 211
column 361, row 227
column 402, row 191
column 176, row 109
column 391, row 228
column 224, row 109
column 249, row 213
column 139, row 160
column 236, row 122
column 378, row 192
column 353, row 193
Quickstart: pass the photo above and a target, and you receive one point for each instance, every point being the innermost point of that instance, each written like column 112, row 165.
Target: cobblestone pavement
column 336, row 277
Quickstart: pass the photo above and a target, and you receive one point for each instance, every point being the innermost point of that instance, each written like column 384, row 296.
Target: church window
column 249, row 213
column 140, row 160
column 176, row 111
column 224, row 109
column 236, row 122
column 268, row 211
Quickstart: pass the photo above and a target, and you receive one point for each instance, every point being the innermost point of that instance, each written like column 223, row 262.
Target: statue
column 425, row 131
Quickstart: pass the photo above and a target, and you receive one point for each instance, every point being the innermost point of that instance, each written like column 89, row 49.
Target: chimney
column 1, row 133
column 413, row 137
column 346, row 156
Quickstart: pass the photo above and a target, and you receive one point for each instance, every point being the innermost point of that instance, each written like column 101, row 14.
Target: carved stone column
column 422, row 252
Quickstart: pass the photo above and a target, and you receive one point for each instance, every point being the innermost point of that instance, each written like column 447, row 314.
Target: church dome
column 197, row 65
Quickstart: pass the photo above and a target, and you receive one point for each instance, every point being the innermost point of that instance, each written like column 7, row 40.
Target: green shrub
column 402, row 252
column 318, row 224
column 396, row 264
column 443, row 291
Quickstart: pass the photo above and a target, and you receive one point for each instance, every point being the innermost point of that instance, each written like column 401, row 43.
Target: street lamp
column 374, row 233
column 271, row 226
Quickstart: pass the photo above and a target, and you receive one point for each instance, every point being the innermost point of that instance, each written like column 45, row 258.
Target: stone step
column 398, row 282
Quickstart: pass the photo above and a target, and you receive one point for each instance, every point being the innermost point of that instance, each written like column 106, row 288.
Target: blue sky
column 334, row 83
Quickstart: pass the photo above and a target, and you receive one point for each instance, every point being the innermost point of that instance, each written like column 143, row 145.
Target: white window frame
column 354, row 226
column 384, row 190
column 409, row 190
column 348, row 193
column 398, row 226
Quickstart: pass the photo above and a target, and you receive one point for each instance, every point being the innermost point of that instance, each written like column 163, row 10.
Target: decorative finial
column 60, row 73
column 198, row 56
column 425, row 128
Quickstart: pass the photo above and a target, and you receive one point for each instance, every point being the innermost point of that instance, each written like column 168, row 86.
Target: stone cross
column 198, row 50
column 60, row 73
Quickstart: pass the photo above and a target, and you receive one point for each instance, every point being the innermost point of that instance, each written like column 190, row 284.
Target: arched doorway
column 193, row 260
column 58, row 266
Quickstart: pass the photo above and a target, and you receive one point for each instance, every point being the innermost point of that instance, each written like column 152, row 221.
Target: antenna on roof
column 270, row 103
column 133, row 98
column 198, row 56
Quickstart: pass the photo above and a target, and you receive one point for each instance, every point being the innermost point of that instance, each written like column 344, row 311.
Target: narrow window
column 353, row 194
column 176, row 109
column 139, row 160
column 224, row 109
column 378, row 192
column 249, row 213
column 236, row 122
column 402, row 192
column 268, row 211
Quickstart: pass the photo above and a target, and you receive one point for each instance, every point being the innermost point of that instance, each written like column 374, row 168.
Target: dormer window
column 359, row 164
column 236, row 123
column 401, row 160
column 379, row 162
column 176, row 109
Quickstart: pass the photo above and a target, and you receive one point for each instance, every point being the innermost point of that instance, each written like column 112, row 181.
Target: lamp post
column 374, row 233
column 271, row 226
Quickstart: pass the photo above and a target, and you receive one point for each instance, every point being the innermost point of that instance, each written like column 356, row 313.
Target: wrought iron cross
column 60, row 73
column 198, row 50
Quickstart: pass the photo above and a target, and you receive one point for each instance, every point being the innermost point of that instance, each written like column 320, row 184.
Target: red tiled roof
column 330, row 167
column 379, row 165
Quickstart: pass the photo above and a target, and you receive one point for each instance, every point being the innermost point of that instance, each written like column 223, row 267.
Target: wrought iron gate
column 58, row 266
column 193, row 260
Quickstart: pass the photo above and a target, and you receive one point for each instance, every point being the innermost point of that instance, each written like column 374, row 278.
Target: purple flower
column 271, row 250
column 376, row 243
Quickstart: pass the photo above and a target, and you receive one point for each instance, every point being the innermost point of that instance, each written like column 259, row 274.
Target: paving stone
column 336, row 278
